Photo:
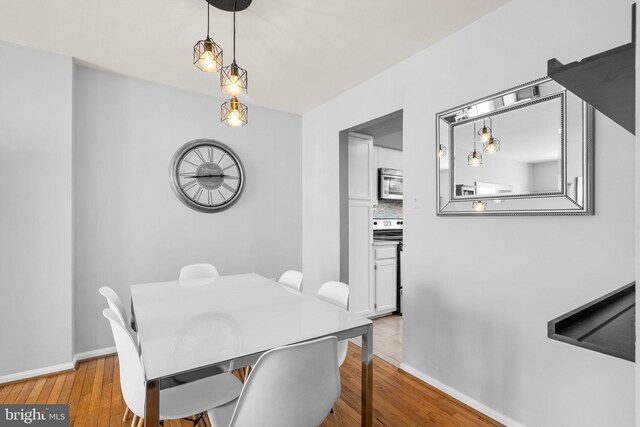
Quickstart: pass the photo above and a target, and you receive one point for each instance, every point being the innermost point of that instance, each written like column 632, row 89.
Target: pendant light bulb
column 492, row 146
column 442, row 151
column 485, row 133
column 479, row 206
column 233, row 80
column 234, row 113
column 474, row 159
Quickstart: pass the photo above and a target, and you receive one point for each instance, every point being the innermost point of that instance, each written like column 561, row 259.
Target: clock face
column 206, row 175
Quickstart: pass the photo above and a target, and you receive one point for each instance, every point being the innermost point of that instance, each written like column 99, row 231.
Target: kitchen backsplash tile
column 388, row 209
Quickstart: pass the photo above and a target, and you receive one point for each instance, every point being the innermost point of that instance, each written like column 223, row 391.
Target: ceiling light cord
column 208, row 9
column 235, row 3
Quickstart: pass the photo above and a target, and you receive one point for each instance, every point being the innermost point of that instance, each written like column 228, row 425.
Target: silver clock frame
column 175, row 183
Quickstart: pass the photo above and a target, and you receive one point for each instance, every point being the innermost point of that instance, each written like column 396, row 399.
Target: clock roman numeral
column 196, row 197
column 210, row 150
column 188, row 185
column 228, row 187
column 209, row 198
column 223, row 198
column 197, row 151
column 191, row 163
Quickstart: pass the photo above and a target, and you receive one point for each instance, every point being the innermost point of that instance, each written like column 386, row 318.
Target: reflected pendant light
column 233, row 78
column 479, row 206
column 234, row 113
column 474, row 159
column 485, row 132
column 442, row 151
column 207, row 55
column 492, row 146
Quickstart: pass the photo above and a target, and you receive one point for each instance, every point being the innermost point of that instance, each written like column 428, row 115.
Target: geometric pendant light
column 234, row 82
column 234, row 113
column 207, row 55
column 490, row 144
column 475, row 158
column 233, row 79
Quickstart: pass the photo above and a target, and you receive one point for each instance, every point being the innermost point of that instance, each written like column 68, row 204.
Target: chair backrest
column 115, row 304
column 293, row 386
column 131, row 368
column 198, row 271
column 336, row 293
column 292, row 279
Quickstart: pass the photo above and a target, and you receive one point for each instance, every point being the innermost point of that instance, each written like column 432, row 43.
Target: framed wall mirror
column 524, row 151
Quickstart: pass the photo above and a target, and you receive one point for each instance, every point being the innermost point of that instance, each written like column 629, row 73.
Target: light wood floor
column 93, row 392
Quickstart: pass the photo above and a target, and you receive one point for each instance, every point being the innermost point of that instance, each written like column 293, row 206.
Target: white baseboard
column 480, row 407
column 56, row 368
column 93, row 353
column 36, row 372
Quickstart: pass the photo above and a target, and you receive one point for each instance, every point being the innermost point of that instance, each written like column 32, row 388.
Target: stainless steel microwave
column 389, row 184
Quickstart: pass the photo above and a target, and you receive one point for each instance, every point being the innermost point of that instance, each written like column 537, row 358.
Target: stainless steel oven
column 389, row 184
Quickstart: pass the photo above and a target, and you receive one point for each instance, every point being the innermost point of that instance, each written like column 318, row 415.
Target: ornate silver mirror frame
column 527, row 114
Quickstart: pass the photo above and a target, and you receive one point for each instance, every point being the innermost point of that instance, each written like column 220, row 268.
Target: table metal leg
column 152, row 404
column 366, row 408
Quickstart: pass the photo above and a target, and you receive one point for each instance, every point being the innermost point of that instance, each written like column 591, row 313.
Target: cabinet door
column 361, row 168
column 385, row 278
column 360, row 246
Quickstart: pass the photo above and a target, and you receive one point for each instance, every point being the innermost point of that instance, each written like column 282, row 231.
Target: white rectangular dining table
column 192, row 329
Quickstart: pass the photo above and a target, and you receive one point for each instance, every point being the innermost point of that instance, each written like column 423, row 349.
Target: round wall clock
column 206, row 175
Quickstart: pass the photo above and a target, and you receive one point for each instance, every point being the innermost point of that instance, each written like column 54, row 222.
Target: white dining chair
column 198, row 271
column 291, row 279
column 337, row 293
column 292, row 386
column 175, row 402
column 115, row 304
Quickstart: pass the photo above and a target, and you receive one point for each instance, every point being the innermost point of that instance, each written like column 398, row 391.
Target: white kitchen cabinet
column 362, row 172
column 362, row 196
column 384, row 277
column 360, row 240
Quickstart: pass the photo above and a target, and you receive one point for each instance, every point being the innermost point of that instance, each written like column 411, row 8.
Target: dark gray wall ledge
column 605, row 325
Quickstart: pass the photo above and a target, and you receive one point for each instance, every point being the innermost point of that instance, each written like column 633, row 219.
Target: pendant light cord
column 208, row 9
column 234, row 29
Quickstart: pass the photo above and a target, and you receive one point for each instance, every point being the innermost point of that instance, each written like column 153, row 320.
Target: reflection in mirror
column 527, row 150
column 530, row 158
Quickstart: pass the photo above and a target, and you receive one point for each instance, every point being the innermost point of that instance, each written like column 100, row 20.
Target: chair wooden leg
column 134, row 421
column 141, row 422
column 126, row 414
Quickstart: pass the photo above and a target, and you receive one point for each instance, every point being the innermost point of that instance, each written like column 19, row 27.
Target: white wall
column 131, row 228
column 479, row 327
column 35, row 188
column 546, row 176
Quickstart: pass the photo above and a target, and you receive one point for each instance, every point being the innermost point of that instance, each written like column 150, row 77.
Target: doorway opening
column 371, row 228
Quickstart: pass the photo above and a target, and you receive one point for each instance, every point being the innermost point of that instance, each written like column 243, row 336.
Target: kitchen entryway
column 371, row 198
